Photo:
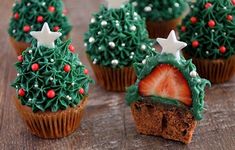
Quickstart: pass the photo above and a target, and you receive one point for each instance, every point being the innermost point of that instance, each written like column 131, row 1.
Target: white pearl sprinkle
column 93, row 20
column 114, row 62
column 199, row 80
column 132, row 53
column 193, row 74
column 30, row 51
column 135, row 4
column 176, row 4
column 144, row 61
column 70, row 98
column 72, row 83
column 207, row 52
column 104, row 23
column 85, row 44
column 196, row 33
column 117, row 24
column 135, row 18
column 225, row 33
column 94, row 61
column 100, row 17
column 131, row 57
column 133, row 28
column 212, row 30
column 91, row 40
column 112, row 44
column 225, row 8
column 35, row 85
column 99, row 32
column 16, row 86
column 127, row 13
column 192, row 6
column 18, row 74
column 52, row 60
column 147, row 9
column 67, row 96
column 43, row 3
column 143, row 47
column 153, row 49
column 30, row 99
column 14, row 4
column 123, row 44
column 14, row 31
column 28, row 4
column 51, row 78
column 147, row 56
column 100, row 48
column 135, row 14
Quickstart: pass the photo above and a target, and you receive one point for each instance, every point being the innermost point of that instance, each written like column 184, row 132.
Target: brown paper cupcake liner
column 114, row 79
column 52, row 124
column 18, row 46
column 167, row 121
column 217, row 71
column 162, row 28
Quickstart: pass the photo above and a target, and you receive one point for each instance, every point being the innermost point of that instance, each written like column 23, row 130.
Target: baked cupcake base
column 161, row 28
column 167, row 121
column 52, row 124
column 113, row 79
column 217, row 71
column 18, row 46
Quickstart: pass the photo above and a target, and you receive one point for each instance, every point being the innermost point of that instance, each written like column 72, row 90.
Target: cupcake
column 209, row 31
column 167, row 99
column 52, row 86
column 115, row 40
column 162, row 16
column 29, row 15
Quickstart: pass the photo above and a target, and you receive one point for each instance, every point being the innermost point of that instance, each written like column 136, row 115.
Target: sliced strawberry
column 166, row 81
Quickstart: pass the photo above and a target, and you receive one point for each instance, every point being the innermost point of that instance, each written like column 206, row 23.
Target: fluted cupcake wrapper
column 217, row 71
column 113, row 79
column 52, row 124
column 162, row 28
column 19, row 46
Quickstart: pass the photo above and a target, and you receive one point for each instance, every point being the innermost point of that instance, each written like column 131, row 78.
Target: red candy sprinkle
column 71, row 48
column 40, row 19
column 183, row 28
column 86, row 71
column 207, row 5
column 67, row 68
column 56, row 28
column 20, row 58
column 233, row 2
column 51, row 8
column 81, row 91
column 229, row 17
column 21, row 92
column 222, row 49
column 211, row 23
column 35, row 67
column 16, row 16
column 195, row 44
column 51, row 94
column 26, row 28
column 193, row 20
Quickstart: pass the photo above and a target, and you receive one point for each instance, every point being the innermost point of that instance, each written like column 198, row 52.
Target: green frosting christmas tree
column 117, row 37
column 50, row 76
column 29, row 15
column 158, row 10
column 209, row 29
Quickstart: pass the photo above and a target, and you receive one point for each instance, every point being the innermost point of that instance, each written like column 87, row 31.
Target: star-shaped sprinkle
column 115, row 3
column 45, row 37
column 171, row 45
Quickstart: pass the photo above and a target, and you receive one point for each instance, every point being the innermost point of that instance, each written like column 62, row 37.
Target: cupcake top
column 117, row 37
column 29, row 15
column 169, row 78
column 209, row 29
column 50, row 77
column 158, row 10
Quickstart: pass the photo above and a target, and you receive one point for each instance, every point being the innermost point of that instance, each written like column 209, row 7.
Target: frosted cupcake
column 52, row 86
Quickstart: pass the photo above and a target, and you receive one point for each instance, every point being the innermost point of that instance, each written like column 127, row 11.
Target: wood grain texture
column 107, row 123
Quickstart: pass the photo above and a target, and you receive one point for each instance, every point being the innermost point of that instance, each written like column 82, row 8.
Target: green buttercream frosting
column 28, row 12
column 214, row 42
column 196, row 84
column 117, row 38
column 158, row 10
column 51, row 76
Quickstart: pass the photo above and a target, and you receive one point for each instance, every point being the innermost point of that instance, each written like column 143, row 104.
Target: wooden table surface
column 107, row 123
